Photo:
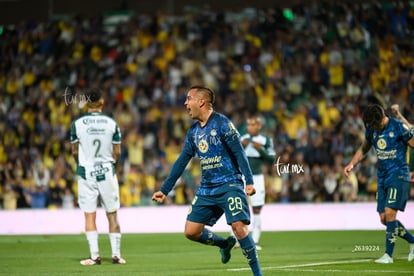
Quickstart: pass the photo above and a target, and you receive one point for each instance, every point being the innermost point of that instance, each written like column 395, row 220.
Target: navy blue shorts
column 393, row 192
column 208, row 209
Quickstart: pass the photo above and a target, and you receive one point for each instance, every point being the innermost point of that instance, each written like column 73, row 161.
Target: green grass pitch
column 284, row 253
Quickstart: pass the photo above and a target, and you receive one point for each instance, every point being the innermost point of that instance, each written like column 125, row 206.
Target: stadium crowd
column 308, row 71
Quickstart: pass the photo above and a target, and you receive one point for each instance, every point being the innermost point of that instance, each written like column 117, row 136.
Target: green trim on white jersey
column 96, row 133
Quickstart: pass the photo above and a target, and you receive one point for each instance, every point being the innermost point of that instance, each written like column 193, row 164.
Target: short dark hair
column 93, row 95
column 373, row 115
column 255, row 116
column 209, row 91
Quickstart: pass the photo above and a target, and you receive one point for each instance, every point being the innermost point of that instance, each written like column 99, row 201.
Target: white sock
column 92, row 237
column 115, row 239
column 257, row 227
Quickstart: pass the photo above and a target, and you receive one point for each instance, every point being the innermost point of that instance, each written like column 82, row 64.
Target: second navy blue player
column 390, row 138
column 223, row 163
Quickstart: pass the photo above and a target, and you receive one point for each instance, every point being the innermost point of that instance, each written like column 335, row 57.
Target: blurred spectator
column 273, row 187
column 365, row 176
column 309, row 77
column 330, row 188
column 147, row 188
column 56, row 192
column 41, row 176
column 9, row 198
column 135, row 148
column 130, row 191
column 68, row 199
column 348, row 188
column 37, row 196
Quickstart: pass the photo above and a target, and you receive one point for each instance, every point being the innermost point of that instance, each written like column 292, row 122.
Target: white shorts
column 100, row 186
column 258, row 199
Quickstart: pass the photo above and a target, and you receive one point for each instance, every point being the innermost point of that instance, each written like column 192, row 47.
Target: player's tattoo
column 365, row 147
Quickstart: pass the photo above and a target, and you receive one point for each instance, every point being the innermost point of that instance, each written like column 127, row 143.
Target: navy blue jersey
column 391, row 147
column 222, row 157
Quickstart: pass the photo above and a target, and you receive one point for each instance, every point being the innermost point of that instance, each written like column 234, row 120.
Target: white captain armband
column 410, row 130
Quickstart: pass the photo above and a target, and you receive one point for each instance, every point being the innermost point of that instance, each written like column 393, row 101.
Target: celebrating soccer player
column 223, row 164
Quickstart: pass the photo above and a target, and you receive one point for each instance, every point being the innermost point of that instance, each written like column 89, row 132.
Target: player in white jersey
column 260, row 151
column 96, row 146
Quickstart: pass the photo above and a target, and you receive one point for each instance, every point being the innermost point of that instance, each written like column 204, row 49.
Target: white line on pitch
column 306, row 265
column 326, row 263
column 343, row 270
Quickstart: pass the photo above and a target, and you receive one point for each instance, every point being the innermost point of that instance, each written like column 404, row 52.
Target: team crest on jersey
column 381, row 144
column 213, row 132
column 203, row 146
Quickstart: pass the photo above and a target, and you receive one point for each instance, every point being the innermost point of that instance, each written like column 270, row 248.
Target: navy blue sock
column 249, row 251
column 404, row 233
column 210, row 238
column 391, row 236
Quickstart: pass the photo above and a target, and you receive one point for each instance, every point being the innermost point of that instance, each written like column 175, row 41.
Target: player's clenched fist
column 158, row 197
column 250, row 190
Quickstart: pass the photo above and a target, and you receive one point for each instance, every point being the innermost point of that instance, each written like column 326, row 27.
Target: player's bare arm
column 359, row 154
column 75, row 151
column 397, row 114
column 410, row 143
column 116, row 151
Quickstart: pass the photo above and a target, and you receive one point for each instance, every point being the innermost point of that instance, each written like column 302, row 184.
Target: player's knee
column 240, row 229
column 191, row 235
column 390, row 214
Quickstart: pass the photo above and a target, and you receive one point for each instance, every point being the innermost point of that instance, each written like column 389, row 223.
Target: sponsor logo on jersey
column 208, row 163
column 95, row 131
column 202, row 146
column 235, row 213
column 381, row 143
column 87, row 121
